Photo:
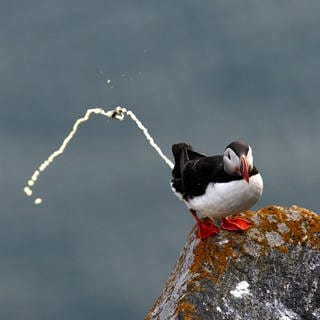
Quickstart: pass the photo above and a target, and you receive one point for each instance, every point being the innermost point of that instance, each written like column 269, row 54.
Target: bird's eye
column 229, row 156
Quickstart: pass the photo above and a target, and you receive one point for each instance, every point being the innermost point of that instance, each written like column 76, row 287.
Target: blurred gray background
column 205, row 72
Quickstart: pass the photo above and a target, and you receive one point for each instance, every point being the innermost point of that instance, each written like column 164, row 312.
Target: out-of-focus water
column 109, row 231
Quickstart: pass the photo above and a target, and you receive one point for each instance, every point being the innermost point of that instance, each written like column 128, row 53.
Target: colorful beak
column 244, row 168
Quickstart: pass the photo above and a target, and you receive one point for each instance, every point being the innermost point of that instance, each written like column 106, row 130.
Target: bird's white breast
column 229, row 198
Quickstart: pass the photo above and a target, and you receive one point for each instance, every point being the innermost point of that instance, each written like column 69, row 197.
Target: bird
column 216, row 187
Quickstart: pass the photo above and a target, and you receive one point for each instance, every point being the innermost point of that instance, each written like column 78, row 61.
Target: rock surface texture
column 271, row 271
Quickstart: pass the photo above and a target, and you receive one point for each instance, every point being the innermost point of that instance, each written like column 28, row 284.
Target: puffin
column 216, row 187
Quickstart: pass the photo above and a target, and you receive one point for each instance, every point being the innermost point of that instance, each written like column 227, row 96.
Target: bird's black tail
column 183, row 153
column 180, row 153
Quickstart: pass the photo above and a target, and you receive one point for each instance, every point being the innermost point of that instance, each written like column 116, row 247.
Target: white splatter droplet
column 37, row 201
column 27, row 191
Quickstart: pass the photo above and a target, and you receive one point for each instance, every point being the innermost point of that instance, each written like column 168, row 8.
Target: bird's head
column 237, row 159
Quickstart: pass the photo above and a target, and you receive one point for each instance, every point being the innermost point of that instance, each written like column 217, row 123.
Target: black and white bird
column 217, row 186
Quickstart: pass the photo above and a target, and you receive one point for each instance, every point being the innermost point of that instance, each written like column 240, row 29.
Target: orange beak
column 244, row 168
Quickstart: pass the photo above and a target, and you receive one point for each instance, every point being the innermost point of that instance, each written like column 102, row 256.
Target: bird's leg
column 235, row 224
column 206, row 228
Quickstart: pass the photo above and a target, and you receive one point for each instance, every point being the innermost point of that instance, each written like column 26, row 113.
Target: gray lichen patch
column 274, row 239
column 283, row 228
column 281, row 312
column 256, row 219
column 316, row 313
column 294, row 215
column 255, row 234
column 272, row 218
column 252, row 248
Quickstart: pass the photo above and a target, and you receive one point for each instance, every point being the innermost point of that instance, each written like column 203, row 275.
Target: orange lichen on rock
column 212, row 254
column 289, row 225
column 284, row 249
column 272, row 228
column 186, row 311
column 204, row 264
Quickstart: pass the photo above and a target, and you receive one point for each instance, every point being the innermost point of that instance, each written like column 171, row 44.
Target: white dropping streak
column 27, row 191
column 30, row 183
column 242, row 289
column 117, row 113
column 150, row 139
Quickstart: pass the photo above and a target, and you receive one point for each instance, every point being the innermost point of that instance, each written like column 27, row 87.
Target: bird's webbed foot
column 235, row 224
column 206, row 228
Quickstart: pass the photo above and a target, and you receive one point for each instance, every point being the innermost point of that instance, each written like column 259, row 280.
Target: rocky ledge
column 271, row 271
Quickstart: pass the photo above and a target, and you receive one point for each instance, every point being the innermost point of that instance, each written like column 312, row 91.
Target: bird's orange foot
column 235, row 224
column 206, row 228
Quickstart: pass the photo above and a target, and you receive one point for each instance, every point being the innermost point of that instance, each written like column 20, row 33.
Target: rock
column 271, row 271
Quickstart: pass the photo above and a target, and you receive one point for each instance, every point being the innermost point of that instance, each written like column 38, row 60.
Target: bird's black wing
column 198, row 173
column 183, row 153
